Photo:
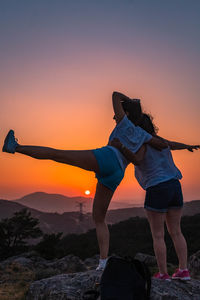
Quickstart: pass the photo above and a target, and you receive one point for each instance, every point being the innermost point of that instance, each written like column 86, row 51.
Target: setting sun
column 87, row 192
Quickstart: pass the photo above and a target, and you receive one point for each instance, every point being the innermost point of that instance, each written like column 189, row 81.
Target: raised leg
column 102, row 200
column 84, row 159
column 173, row 220
column 156, row 221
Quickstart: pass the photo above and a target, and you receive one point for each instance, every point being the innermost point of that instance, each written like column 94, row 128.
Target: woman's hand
column 121, row 96
column 181, row 146
column 115, row 143
column 117, row 99
column 193, row 147
column 135, row 158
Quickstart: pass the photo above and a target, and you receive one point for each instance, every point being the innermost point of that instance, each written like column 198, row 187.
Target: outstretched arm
column 117, row 99
column 180, row 146
column 158, row 143
column 135, row 158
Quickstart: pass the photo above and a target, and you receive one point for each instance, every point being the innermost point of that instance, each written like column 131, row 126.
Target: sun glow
column 87, row 192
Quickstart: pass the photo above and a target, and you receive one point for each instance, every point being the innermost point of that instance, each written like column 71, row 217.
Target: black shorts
column 164, row 196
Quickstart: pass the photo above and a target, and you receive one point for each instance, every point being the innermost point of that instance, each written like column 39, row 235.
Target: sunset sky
column 59, row 64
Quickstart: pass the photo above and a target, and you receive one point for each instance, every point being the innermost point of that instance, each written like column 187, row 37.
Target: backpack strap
column 143, row 270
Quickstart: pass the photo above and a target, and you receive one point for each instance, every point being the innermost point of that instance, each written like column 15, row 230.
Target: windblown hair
column 137, row 117
column 147, row 124
column 134, row 110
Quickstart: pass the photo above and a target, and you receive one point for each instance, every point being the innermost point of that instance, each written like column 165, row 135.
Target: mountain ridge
column 74, row 222
column 59, row 203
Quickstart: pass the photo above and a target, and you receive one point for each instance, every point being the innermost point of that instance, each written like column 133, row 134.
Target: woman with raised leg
column 107, row 162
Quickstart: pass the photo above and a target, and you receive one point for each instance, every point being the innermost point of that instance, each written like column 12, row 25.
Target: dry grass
column 15, row 281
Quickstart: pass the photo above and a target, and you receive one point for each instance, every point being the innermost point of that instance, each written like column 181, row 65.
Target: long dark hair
column 133, row 107
column 147, row 124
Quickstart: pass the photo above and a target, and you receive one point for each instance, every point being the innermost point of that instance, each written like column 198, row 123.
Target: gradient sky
column 61, row 60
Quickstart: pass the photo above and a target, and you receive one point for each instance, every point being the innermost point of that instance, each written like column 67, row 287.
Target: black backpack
column 125, row 279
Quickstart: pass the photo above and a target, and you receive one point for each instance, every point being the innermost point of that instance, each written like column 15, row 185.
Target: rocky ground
column 31, row 277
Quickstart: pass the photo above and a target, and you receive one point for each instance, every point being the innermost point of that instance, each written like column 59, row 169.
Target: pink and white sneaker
column 162, row 276
column 181, row 274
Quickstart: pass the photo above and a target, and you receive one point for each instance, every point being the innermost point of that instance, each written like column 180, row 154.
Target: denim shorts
column 111, row 173
column 164, row 196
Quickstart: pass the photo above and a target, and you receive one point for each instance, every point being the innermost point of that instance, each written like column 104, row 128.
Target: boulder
column 64, row 286
column 194, row 265
column 30, row 260
column 150, row 260
column 147, row 259
column 72, row 287
column 175, row 290
column 92, row 262
column 68, row 264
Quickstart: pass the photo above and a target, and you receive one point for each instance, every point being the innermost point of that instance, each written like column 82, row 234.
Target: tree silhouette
column 15, row 231
column 47, row 247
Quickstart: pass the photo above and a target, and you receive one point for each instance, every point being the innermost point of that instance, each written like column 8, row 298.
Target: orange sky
column 56, row 88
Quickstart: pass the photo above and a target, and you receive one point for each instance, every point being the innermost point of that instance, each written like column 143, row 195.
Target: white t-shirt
column 156, row 167
column 131, row 136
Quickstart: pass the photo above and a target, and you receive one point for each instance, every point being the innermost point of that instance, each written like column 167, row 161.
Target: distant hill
column 72, row 222
column 53, row 202
column 68, row 222
column 191, row 208
column 59, row 203
column 113, row 216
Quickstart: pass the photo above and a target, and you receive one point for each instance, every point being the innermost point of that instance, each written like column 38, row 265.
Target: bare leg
column 84, row 159
column 173, row 219
column 101, row 202
column 156, row 221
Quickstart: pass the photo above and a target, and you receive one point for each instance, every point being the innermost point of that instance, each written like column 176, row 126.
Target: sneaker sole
column 4, row 149
column 167, row 279
column 183, row 278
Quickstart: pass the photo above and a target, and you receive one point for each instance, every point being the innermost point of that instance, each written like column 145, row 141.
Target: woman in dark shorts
column 158, row 175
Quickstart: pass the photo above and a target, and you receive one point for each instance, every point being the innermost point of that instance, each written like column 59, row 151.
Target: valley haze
column 72, row 221
column 46, row 202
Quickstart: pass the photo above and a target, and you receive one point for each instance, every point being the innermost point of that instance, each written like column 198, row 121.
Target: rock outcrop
column 72, row 287
column 194, row 265
column 69, row 277
column 150, row 260
column 64, row 286
column 175, row 290
column 32, row 261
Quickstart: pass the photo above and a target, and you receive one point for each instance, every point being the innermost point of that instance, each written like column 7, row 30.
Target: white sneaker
column 102, row 264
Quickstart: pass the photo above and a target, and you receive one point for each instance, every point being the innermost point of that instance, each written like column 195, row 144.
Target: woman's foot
column 181, row 274
column 162, row 276
column 10, row 143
